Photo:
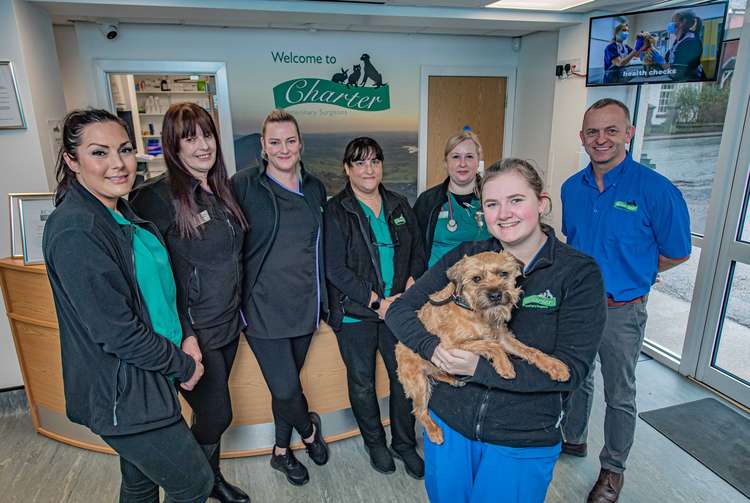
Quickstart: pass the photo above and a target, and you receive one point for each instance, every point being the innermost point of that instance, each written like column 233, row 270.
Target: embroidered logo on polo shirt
column 631, row 206
column 540, row 301
column 399, row 220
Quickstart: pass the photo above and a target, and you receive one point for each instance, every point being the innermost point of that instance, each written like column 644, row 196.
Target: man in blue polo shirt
column 635, row 223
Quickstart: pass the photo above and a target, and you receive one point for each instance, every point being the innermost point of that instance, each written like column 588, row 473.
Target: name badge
column 203, row 217
column 443, row 214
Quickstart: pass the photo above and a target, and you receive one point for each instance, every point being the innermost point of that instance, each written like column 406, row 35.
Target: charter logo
column 343, row 89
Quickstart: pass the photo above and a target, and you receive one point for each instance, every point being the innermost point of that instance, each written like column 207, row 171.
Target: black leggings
column 210, row 400
column 281, row 361
column 168, row 457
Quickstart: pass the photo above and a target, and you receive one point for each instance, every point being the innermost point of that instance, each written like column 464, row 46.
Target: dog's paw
column 457, row 383
column 435, row 435
column 505, row 371
column 558, row 371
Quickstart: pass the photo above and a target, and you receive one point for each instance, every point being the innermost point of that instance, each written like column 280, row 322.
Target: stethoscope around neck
column 452, row 224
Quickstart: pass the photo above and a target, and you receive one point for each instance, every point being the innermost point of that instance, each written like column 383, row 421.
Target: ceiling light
column 558, row 5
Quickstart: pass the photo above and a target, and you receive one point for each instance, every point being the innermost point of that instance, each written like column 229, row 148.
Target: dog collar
column 456, row 299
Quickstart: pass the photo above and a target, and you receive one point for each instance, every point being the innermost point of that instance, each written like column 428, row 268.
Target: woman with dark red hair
column 194, row 208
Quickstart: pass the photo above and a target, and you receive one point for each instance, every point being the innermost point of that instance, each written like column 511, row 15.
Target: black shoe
column 413, row 463
column 295, row 472
column 381, row 458
column 317, row 449
column 577, row 450
column 226, row 492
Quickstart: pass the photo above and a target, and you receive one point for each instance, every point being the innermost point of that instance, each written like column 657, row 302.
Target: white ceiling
column 458, row 17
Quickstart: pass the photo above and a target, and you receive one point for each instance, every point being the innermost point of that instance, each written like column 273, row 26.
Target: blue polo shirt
column 639, row 216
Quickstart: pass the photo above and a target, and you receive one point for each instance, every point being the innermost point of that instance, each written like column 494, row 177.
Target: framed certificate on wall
column 11, row 111
column 28, row 214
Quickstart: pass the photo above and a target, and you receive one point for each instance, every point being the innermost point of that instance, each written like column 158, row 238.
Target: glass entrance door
column 724, row 358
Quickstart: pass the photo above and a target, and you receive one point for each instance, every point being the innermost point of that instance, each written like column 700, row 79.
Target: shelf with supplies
column 145, row 100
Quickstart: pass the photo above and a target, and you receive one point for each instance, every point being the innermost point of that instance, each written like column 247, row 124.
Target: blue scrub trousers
column 469, row 471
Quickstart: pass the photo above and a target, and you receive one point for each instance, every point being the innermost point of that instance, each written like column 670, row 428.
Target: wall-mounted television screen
column 681, row 44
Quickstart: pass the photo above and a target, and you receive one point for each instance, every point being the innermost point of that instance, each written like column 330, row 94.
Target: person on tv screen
column 617, row 54
column 685, row 54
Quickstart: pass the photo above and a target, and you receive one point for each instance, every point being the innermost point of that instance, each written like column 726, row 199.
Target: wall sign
column 11, row 112
column 344, row 89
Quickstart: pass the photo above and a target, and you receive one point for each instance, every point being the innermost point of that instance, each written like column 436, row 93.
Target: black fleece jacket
column 353, row 262
column 562, row 312
column 427, row 209
column 207, row 269
column 115, row 367
column 261, row 209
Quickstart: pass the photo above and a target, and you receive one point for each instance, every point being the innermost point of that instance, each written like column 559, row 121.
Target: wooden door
column 455, row 102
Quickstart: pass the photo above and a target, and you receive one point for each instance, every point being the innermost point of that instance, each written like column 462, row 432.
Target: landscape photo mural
column 336, row 96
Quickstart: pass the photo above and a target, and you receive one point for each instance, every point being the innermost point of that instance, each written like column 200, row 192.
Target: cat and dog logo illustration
column 370, row 73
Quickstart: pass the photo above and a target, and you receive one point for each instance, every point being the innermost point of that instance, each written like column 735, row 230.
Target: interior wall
column 535, row 96
column 254, row 69
column 72, row 73
column 26, row 40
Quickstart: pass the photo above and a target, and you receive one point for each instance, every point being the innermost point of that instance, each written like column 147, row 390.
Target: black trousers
column 210, row 400
column 168, row 457
column 358, row 343
column 281, row 361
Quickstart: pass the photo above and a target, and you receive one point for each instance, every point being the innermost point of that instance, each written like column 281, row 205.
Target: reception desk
column 31, row 312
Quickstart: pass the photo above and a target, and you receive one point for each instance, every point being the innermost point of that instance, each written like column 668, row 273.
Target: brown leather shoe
column 607, row 488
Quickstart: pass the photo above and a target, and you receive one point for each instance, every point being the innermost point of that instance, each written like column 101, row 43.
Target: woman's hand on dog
column 455, row 361
column 385, row 304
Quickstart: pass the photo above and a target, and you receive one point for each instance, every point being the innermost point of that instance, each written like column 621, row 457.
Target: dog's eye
column 503, row 274
column 476, row 279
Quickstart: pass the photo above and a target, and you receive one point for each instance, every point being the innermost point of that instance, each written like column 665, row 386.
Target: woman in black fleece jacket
column 504, row 435
column 120, row 346
column 194, row 208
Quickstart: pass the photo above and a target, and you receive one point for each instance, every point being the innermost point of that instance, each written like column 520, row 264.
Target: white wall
column 535, row 98
column 571, row 98
column 26, row 40
column 74, row 84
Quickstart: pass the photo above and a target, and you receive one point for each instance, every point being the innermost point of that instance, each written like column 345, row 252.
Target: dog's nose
column 496, row 296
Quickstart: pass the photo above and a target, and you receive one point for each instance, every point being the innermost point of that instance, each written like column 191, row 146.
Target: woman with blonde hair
column 284, row 291
column 502, row 436
column 450, row 213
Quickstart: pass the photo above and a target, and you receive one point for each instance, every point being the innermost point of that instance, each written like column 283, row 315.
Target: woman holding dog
column 194, row 209
column 450, row 213
column 618, row 54
column 373, row 252
column 502, row 436
column 284, row 285
column 120, row 332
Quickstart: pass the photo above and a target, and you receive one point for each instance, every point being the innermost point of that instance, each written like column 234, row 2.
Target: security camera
column 109, row 29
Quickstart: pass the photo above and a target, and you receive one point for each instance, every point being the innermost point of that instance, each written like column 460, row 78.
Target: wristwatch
column 375, row 304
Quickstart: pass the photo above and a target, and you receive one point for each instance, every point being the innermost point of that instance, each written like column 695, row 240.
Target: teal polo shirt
column 639, row 216
column 382, row 235
column 153, row 273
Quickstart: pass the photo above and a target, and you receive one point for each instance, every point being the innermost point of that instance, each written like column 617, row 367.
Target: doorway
column 453, row 99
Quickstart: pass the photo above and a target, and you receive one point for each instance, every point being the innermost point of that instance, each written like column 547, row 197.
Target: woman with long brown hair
column 193, row 206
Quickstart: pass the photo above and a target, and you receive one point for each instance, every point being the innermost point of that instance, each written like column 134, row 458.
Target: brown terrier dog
column 471, row 313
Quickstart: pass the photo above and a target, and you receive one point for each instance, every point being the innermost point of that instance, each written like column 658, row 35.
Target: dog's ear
column 455, row 274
